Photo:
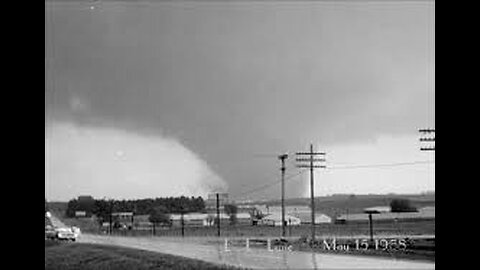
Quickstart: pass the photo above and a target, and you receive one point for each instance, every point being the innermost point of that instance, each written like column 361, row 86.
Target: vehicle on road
column 65, row 234
column 50, row 232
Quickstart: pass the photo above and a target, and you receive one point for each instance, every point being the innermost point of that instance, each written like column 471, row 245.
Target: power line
column 382, row 165
column 268, row 185
column 361, row 166
column 311, row 165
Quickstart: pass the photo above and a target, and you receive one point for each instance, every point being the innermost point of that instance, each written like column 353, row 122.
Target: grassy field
column 345, row 204
column 63, row 256
column 410, row 227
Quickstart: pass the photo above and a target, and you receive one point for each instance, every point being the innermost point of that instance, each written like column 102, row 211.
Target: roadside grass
column 402, row 227
column 415, row 249
column 49, row 243
column 76, row 256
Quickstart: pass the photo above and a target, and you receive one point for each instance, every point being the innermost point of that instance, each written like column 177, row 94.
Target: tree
column 72, row 206
column 402, row 205
column 158, row 215
column 231, row 211
column 101, row 209
column 86, row 203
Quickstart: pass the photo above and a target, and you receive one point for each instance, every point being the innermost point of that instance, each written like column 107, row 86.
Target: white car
column 66, row 234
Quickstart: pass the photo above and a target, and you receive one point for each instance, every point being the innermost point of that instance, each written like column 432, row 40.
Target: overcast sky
column 162, row 98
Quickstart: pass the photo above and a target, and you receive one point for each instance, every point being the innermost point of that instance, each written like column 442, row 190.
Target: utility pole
column 282, row 158
column 371, row 226
column 183, row 224
column 311, row 166
column 218, row 215
column 111, row 218
column 430, row 139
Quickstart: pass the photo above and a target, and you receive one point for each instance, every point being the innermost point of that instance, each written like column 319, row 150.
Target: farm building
column 204, row 219
column 244, row 219
column 289, row 209
column 306, row 217
column 378, row 209
column 192, row 219
column 80, row 213
column 275, row 219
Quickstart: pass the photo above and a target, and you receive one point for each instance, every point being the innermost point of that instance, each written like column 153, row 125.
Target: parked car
column 50, row 232
column 66, row 234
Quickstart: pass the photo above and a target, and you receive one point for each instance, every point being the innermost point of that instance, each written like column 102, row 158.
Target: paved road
column 254, row 258
column 56, row 222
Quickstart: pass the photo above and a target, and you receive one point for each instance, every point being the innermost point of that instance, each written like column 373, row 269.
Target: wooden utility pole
column 311, row 166
column 183, row 224
column 111, row 217
column 282, row 158
column 218, row 215
column 371, row 226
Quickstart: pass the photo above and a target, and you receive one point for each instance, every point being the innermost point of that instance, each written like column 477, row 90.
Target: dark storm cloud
column 230, row 81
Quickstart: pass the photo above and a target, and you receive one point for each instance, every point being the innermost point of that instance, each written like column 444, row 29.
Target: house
column 378, row 209
column 191, row 219
column 275, row 219
column 208, row 219
column 244, row 219
column 306, row 217
column 289, row 209
column 80, row 214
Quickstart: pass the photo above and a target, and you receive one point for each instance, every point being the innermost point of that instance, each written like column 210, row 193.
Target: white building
column 207, row 219
column 306, row 217
column 289, row 209
column 275, row 219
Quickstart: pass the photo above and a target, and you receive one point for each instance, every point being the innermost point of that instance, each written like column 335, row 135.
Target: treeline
column 102, row 208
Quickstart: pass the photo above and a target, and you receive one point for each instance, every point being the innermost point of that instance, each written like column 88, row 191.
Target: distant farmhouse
column 298, row 212
column 275, row 219
column 206, row 219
